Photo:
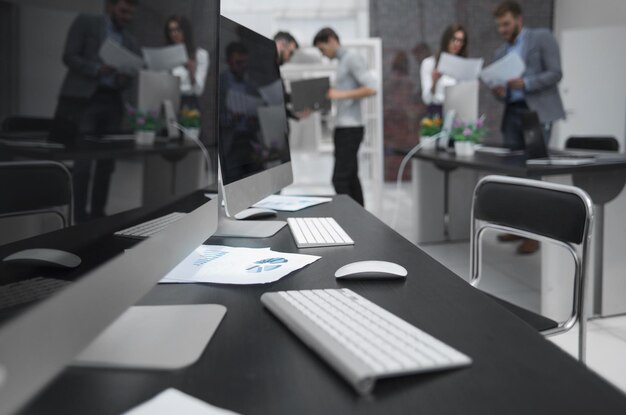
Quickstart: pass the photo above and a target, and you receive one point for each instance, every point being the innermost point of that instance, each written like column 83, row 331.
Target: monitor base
column 248, row 228
column 164, row 337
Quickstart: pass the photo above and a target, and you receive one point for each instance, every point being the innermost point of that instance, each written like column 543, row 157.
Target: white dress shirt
column 202, row 67
column 426, row 75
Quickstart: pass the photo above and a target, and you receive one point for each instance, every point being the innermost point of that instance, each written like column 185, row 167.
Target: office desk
column 92, row 149
column 445, row 182
column 154, row 165
column 254, row 365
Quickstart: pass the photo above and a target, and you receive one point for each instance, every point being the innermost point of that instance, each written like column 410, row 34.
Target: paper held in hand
column 165, row 58
column 117, row 56
column 459, row 68
column 509, row 67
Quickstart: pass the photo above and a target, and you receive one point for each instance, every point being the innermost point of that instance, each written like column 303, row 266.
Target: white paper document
column 165, row 58
column 459, row 68
column 117, row 56
column 173, row 401
column 229, row 265
column 290, row 203
column 509, row 67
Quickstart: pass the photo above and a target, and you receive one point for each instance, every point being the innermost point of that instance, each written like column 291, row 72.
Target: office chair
column 24, row 192
column 605, row 143
column 543, row 211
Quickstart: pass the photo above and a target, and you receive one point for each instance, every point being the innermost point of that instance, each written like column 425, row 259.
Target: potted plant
column 466, row 135
column 430, row 126
column 189, row 119
column 144, row 124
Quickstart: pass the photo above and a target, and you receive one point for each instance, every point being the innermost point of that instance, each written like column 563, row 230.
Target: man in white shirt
column 352, row 84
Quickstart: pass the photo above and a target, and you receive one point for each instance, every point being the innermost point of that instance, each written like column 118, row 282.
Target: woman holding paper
column 193, row 74
column 453, row 41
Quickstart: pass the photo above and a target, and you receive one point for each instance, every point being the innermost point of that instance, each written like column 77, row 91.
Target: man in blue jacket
column 536, row 90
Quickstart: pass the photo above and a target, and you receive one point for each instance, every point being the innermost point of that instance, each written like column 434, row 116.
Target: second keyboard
column 318, row 232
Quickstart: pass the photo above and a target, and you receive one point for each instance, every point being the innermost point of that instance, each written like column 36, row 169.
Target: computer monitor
column 462, row 98
column 38, row 341
column 252, row 165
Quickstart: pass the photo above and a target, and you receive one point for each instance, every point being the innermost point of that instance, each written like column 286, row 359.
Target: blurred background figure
column 93, row 94
column 286, row 45
column 192, row 74
column 453, row 41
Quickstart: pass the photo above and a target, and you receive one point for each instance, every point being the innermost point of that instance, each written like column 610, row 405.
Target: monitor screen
column 84, row 160
column 254, row 130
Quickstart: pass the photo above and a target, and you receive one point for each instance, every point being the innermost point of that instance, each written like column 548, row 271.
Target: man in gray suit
column 536, row 90
column 93, row 93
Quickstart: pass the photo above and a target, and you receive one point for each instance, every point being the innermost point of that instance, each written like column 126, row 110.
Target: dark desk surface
column 93, row 149
column 254, row 365
column 514, row 165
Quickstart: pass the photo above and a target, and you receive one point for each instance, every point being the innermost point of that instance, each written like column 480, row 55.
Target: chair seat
column 537, row 321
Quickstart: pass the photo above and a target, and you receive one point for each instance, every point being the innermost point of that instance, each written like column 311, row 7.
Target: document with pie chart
column 220, row 264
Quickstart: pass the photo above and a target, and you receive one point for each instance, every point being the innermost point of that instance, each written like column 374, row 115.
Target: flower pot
column 464, row 148
column 144, row 138
column 428, row 143
column 191, row 133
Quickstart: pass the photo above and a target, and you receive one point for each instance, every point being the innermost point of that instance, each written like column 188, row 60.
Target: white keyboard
column 317, row 232
column 359, row 339
column 149, row 228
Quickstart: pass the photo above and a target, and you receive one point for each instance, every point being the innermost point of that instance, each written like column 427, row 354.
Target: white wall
column 350, row 18
column 572, row 16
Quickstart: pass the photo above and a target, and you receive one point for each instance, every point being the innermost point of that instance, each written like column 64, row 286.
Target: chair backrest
column 23, row 192
column 20, row 123
column 606, row 143
column 539, row 210
column 556, row 212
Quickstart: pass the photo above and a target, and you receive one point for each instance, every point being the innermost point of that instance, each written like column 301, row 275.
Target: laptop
column 537, row 151
column 310, row 94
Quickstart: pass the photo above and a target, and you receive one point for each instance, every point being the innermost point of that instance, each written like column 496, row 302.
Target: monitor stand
column 164, row 337
column 233, row 228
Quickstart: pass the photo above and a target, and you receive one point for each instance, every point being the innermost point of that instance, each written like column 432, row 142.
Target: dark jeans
column 346, row 172
column 96, row 116
column 513, row 128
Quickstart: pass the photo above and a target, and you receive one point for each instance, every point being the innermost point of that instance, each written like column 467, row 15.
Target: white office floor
column 506, row 275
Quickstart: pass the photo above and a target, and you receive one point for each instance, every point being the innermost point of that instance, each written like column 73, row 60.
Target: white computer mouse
column 44, row 257
column 255, row 213
column 371, row 270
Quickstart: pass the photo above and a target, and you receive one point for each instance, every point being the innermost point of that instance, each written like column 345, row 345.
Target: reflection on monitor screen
column 71, row 112
column 254, row 148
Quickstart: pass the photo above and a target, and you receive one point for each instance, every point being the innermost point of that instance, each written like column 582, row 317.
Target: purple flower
column 457, row 123
column 467, row 132
column 480, row 123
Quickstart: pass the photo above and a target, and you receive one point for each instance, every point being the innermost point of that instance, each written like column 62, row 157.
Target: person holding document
column 536, row 89
column 453, row 41
column 193, row 73
column 92, row 93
